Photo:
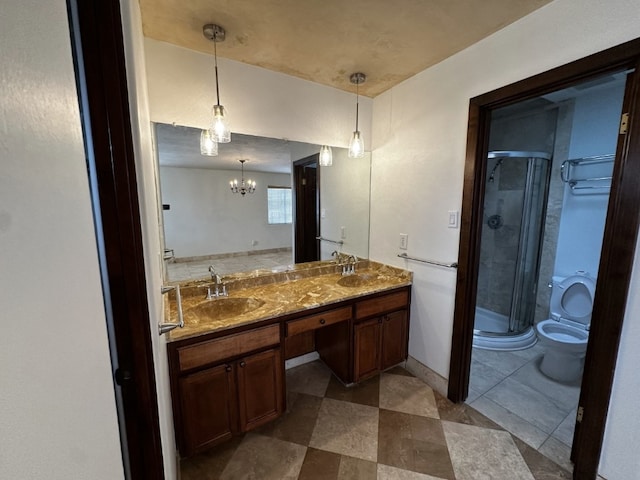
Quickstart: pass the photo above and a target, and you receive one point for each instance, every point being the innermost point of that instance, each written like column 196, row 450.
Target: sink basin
column 357, row 280
column 223, row 308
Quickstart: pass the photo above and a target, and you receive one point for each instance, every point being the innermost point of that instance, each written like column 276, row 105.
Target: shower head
column 492, row 175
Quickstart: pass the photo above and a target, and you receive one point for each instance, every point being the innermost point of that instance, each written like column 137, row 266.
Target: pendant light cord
column 357, row 103
column 215, row 57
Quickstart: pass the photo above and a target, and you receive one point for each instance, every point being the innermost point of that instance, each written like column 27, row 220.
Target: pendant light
column 356, row 145
column 243, row 187
column 208, row 144
column 220, row 125
column 326, row 156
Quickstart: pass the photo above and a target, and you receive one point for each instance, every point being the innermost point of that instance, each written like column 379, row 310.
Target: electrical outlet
column 343, row 233
column 254, row 243
column 404, row 240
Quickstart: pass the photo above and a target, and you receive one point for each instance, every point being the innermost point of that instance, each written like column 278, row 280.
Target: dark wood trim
column 98, row 51
column 616, row 262
column 300, row 232
column 614, row 276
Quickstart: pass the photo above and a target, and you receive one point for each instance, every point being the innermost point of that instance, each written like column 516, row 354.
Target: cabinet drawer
column 318, row 320
column 226, row 347
column 379, row 305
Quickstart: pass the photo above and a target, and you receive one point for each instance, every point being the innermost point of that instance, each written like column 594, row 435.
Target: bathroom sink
column 223, row 308
column 357, row 280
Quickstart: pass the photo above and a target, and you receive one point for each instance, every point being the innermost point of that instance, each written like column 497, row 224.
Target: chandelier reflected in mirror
column 245, row 186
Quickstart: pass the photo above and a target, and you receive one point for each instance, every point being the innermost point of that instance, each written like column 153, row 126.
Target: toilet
column 566, row 333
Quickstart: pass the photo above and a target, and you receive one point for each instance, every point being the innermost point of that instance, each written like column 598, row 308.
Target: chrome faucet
column 217, row 281
column 352, row 264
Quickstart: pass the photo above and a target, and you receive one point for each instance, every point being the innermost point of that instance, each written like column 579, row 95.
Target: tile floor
column 510, row 389
column 392, row 427
column 179, row 271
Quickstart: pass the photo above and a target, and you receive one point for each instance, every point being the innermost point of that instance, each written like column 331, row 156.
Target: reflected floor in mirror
column 179, row 271
column 389, row 427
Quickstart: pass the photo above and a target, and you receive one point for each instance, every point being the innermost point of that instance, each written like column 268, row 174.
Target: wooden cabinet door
column 366, row 338
column 208, row 409
column 260, row 386
column 394, row 338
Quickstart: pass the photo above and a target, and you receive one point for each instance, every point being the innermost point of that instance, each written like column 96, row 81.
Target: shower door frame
column 618, row 246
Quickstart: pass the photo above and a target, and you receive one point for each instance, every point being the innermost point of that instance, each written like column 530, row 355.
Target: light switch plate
column 404, row 240
column 343, row 233
column 454, row 219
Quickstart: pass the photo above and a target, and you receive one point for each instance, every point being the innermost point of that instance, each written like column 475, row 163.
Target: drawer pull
column 322, row 321
column 242, row 364
column 228, row 368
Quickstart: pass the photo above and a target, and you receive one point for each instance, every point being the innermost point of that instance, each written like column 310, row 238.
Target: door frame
column 99, row 64
column 620, row 236
column 298, row 225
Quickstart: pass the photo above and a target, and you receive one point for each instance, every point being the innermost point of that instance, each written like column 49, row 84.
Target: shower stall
column 514, row 216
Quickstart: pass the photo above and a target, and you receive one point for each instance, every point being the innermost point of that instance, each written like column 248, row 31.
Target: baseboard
column 428, row 376
column 301, row 360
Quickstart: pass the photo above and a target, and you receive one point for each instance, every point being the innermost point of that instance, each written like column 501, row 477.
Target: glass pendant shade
column 326, row 156
column 356, row 146
column 220, row 127
column 208, row 144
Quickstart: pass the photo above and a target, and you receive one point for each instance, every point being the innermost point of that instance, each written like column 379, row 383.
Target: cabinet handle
column 242, row 364
column 228, row 368
column 322, row 321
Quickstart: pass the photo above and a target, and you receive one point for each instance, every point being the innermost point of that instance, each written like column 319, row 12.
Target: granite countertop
column 255, row 298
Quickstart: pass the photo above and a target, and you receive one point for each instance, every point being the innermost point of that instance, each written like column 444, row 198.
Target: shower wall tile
column 554, row 211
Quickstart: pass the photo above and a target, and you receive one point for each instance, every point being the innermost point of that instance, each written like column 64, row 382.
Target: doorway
column 614, row 268
column 306, row 191
column 548, row 180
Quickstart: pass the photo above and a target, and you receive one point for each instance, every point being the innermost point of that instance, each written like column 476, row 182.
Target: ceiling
column 326, row 40
column 180, row 147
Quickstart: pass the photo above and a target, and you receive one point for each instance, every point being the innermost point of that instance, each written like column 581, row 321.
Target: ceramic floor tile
column 480, row 453
column 209, row 465
column 296, row 424
column 357, row 469
column 346, row 428
column 531, row 353
column 504, row 362
column 463, row 413
column 415, row 443
column 408, row 395
column 265, row 458
column 528, row 404
column 540, row 466
column 483, row 377
column 320, row 465
column 558, row 452
column 386, row 472
column 511, row 422
column 565, row 396
column 311, row 378
column 398, row 370
column 565, row 430
column 473, row 395
column 364, row 393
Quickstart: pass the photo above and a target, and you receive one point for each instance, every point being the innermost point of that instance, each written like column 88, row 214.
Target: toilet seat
column 574, row 301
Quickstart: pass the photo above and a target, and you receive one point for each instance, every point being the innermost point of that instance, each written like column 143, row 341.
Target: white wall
column 419, row 133
column 57, row 403
column 147, row 178
column 260, row 102
column 344, row 202
column 207, row 218
column 594, row 132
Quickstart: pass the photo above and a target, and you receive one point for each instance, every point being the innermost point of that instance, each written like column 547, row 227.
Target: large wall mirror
column 295, row 200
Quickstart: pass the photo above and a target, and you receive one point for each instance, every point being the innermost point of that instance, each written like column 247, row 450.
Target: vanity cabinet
column 240, row 392
column 380, row 334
